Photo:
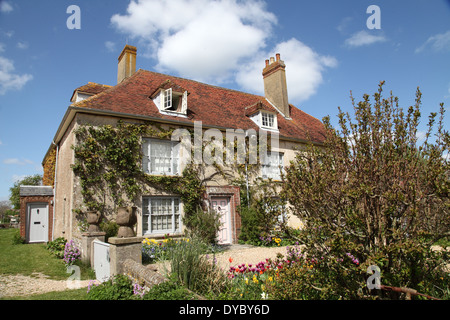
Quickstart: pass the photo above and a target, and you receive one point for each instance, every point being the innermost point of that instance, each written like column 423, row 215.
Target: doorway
column 37, row 222
column 222, row 206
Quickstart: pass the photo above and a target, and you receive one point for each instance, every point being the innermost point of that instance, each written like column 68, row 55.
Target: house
column 164, row 101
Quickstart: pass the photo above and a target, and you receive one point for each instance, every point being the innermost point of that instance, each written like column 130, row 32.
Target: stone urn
column 126, row 219
column 94, row 218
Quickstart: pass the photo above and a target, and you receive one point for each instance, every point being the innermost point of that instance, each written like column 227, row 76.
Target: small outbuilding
column 36, row 213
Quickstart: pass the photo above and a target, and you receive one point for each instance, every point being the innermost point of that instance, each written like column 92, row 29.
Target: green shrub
column 120, row 287
column 203, row 225
column 250, row 230
column 168, row 290
column 17, row 238
column 110, row 227
column 56, row 247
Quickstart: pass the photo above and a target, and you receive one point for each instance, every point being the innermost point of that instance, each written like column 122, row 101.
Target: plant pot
column 126, row 219
column 94, row 218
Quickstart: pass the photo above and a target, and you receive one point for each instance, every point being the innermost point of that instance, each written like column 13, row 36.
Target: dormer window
column 259, row 113
column 170, row 99
column 174, row 101
column 268, row 120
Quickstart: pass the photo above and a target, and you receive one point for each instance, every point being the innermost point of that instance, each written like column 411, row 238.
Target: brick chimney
column 127, row 63
column 275, row 87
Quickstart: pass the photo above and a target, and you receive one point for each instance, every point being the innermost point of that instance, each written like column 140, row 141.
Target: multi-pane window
column 160, row 157
column 273, row 166
column 161, row 215
column 268, row 120
column 167, row 99
column 174, row 101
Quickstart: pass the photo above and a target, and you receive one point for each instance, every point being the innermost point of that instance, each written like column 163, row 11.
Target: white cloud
column 2, row 47
column 198, row 38
column 218, row 41
column 364, row 38
column 10, row 80
column 304, row 70
column 5, row 7
column 15, row 161
column 110, row 46
column 438, row 42
column 22, row 45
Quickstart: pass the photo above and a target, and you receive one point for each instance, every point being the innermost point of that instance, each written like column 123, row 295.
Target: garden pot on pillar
column 94, row 218
column 126, row 219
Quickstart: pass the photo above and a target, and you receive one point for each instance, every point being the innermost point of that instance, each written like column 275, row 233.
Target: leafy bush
column 110, row 227
column 168, row 290
column 372, row 191
column 203, row 224
column 17, row 238
column 120, row 287
column 57, row 246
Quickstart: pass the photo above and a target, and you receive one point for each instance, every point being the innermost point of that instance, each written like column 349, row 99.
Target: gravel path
column 20, row 285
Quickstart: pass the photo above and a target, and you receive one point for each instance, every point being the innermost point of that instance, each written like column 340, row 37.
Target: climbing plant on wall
column 108, row 163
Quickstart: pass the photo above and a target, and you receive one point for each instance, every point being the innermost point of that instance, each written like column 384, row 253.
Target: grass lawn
column 27, row 259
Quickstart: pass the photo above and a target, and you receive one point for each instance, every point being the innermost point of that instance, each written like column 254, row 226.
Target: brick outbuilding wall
column 32, row 194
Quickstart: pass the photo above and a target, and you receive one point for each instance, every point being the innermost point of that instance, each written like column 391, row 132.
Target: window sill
column 173, row 113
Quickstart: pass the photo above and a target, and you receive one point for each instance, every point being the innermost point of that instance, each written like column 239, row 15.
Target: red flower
column 231, row 260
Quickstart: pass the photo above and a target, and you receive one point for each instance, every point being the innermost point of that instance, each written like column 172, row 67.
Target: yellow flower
column 270, row 279
column 255, row 280
column 246, row 281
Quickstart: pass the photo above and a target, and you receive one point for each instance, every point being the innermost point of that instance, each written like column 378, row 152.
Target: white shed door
column 221, row 205
column 37, row 222
column 101, row 260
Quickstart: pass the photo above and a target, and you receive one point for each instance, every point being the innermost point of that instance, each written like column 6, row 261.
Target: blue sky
column 326, row 45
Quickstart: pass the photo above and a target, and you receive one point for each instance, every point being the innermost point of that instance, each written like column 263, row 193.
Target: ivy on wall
column 49, row 166
column 108, row 163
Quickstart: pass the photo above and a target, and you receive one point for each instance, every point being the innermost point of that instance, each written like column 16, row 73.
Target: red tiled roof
column 214, row 106
column 91, row 88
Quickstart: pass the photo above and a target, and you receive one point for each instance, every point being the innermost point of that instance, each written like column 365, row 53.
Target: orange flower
column 231, row 260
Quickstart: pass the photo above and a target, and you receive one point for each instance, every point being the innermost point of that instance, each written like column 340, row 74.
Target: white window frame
column 266, row 168
column 149, row 204
column 147, row 157
column 269, row 115
column 267, row 120
column 166, row 97
column 166, row 102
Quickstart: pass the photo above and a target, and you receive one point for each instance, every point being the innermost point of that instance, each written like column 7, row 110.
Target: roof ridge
column 203, row 83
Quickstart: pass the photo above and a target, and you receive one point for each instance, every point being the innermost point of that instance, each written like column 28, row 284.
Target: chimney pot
column 267, row 62
column 278, row 57
column 272, row 60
